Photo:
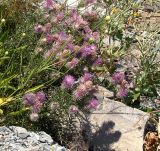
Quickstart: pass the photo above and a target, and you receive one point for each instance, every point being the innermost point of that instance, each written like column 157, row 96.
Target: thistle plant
column 59, row 46
column 62, row 46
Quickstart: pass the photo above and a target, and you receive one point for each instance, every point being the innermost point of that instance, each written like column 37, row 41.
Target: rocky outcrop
column 116, row 127
column 19, row 139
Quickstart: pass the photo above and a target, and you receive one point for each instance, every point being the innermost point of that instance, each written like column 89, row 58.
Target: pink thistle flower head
column 77, row 20
column 93, row 103
column 48, row 4
column 86, row 77
column 71, row 47
column 60, row 17
column 96, row 35
column 122, row 92
column 37, row 106
column 41, row 96
column 80, row 23
column 38, row 28
column 87, row 30
column 47, row 28
column 63, row 37
column 97, row 62
column 89, row 50
column 90, row 1
column 29, row 99
column 74, row 14
column 34, row 117
column 68, row 82
column 73, row 63
column 73, row 109
column 118, row 77
column 49, row 38
column 80, row 92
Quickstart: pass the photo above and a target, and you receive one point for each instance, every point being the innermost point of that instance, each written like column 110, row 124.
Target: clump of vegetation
column 55, row 56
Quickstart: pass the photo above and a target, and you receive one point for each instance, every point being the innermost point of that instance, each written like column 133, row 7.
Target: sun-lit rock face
column 19, row 139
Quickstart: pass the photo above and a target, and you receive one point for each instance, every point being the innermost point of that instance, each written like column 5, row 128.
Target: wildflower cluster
column 34, row 101
column 119, row 79
column 68, row 37
column 83, row 90
column 69, row 40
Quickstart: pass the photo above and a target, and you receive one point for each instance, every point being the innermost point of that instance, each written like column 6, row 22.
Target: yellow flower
column 114, row 10
column 1, row 101
column 107, row 18
column 136, row 14
column 5, row 100
column 91, row 39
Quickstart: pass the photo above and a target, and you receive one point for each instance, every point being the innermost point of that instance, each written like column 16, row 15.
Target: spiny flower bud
column 34, row 117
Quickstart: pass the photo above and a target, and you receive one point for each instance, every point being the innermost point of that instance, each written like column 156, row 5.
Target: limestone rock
column 116, row 127
column 19, row 139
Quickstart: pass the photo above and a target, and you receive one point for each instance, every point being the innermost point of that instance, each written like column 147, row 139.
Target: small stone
column 56, row 147
column 45, row 138
column 34, row 136
column 4, row 129
column 21, row 132
column 47, row 148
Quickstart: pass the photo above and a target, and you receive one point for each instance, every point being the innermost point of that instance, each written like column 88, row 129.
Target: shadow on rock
column 103, row 138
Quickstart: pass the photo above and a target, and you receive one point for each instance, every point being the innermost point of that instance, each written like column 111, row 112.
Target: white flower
column 107, row 18
column 6, row 53
column 23, row 34
column 3, row 20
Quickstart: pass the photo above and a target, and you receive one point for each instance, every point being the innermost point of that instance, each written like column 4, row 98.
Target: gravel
column 19, row 139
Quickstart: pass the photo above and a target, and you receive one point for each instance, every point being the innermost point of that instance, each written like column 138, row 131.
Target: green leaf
column 149, row 110
column 1, row 111
column 135, row 96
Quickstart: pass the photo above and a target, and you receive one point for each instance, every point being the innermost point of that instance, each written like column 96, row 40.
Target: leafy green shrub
column 147, row 80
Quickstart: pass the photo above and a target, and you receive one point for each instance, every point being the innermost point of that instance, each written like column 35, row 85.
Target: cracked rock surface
column 19, row 139
column 116, row 127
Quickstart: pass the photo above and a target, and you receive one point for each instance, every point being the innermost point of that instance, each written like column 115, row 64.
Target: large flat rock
column 116, row 127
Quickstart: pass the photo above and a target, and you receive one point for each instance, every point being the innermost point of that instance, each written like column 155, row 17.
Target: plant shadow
column 103, row 138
